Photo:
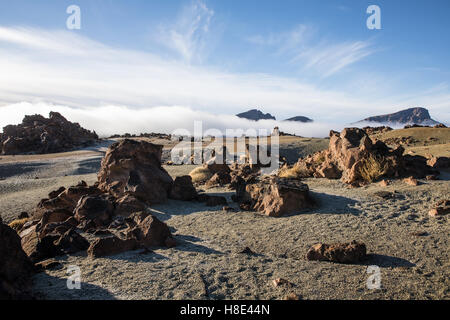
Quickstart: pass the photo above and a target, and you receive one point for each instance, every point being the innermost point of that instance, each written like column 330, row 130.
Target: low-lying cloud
column 109, row 120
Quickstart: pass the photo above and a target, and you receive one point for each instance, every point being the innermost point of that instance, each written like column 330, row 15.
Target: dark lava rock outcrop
column 37, row 134
column 16, row 268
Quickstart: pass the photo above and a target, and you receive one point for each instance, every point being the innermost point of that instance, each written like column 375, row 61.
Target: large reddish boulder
column 134, row 167
column 274, row 196
column 16, row 268
column 37, row 134
column 352, row 252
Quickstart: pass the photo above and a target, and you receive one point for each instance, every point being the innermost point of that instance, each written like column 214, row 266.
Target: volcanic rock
column 16, row 268
column 41, row 246
column 352, row 252
column 110, row 246
column 357, row 160
column 183, row 189
column 98, row 209
column 127, row 205
column 148, row 230
column 274, row 196
column 134, row 167
column 37, row 134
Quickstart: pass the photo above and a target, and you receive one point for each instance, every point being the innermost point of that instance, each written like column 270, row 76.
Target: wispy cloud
column 188, row 36
column 330, row 59
column 303, row 47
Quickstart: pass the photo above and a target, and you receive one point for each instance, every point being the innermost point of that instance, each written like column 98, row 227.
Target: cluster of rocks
column 131, row 178
column 269, row 195
column 37, row 134
column 398, row 141
column 376, row 130
column 439, row 125
column 355, row 159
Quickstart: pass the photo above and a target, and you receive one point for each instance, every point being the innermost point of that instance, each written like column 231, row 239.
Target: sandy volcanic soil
column 207, row 264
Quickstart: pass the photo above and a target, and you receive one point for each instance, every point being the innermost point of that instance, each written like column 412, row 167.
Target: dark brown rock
column 37, row 134
column 16, row 268
column 98, row 209
column 110, row 246
column 51, row 242
column 352, row 252
column 148, row 230
column 134, row 167
column 127, row 205
column 183, row 189
column 274, row 196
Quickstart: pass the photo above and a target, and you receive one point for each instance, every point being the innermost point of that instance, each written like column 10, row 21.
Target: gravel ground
column 207, row 264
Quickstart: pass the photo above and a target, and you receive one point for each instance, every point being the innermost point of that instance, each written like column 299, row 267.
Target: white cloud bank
column 108, row 120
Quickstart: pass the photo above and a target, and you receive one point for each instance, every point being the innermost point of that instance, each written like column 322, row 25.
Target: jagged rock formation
column 357, row 160
column 273, row 196
column 408, row 116
column 300, row 119
column 131, row 177
column 134, row 168
column 37, row 134
column 255, row 115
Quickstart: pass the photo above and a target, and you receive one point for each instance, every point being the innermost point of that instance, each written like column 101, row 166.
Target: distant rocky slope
column 300, row 119
column 255, row 115
column 37, row 134
column 408, row 116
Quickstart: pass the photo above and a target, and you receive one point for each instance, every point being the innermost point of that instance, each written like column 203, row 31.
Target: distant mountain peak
column 255, row 114
column 406, row 116
column 300, row 119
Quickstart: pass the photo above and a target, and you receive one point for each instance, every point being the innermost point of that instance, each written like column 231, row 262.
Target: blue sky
column 312, row 58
